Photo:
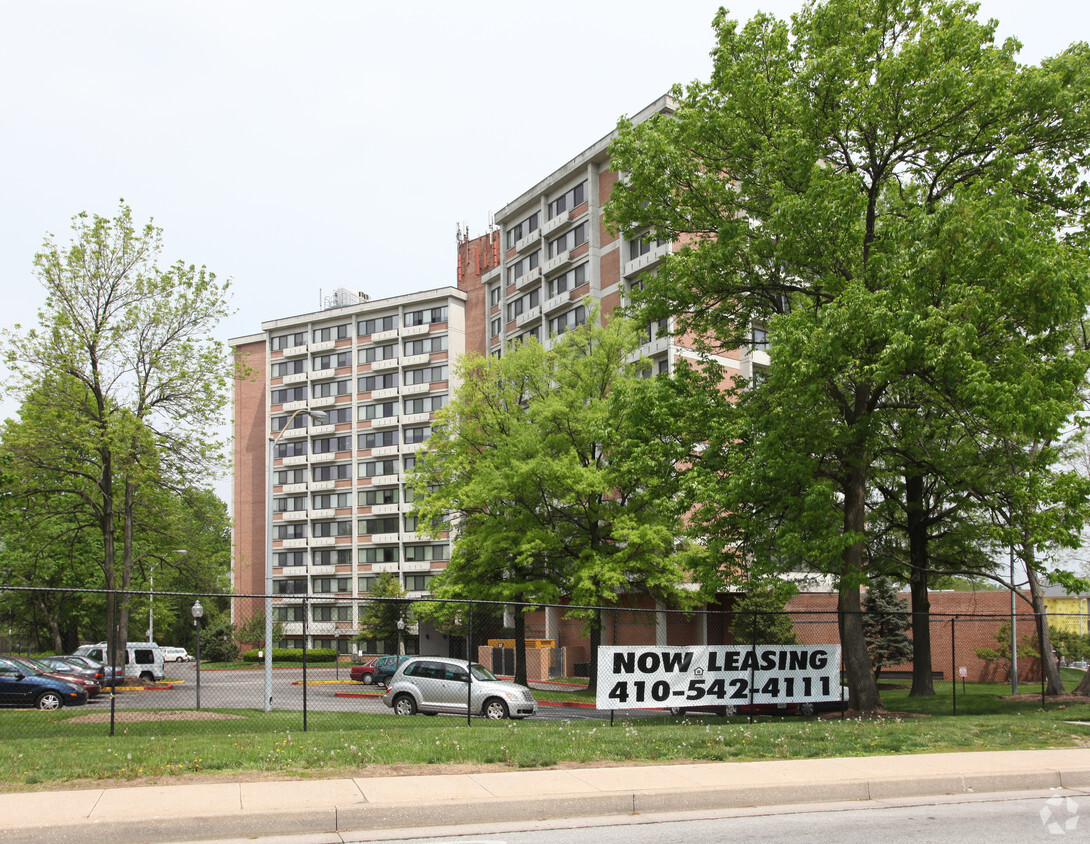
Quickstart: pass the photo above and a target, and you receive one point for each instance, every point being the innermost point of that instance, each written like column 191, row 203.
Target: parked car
column 32, row 666
column 436, row 684
column 108, row 671
column 142, row 659
column 20, row 688
column 176, row 655
column 386, row 666
column 365, row 671
column 1079, row 663
column 67, row 665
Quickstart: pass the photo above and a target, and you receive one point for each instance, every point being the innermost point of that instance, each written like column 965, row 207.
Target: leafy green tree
column 122, row 384
column 562, row 470
column 218, row 640
column 886, row 623
column 253, row 630
column 379, row 619
column 898, row 201
column 761, row 617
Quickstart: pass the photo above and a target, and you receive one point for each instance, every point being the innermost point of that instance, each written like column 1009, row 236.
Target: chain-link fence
column 474, row 658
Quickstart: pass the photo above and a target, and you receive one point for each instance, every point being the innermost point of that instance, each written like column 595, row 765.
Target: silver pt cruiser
column 436, row 684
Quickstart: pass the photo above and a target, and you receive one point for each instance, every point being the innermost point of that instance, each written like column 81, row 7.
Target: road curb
column 353, row 816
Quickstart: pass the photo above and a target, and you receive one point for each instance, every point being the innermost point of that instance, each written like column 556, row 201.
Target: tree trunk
column 520, row 644
column 922, row 684
column 1054, row 685
column 863, row 690
column 126, row 563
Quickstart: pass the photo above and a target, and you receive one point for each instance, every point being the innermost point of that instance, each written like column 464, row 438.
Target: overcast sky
column 300, row 147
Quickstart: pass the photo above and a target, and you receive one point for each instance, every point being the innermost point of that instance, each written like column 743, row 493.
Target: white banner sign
column 648, row 677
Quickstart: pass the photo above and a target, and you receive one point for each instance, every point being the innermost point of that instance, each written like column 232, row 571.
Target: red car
column 377, row 670
column 33, row 667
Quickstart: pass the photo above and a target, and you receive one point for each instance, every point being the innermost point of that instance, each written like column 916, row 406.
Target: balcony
column 322, row 541
column 385, row 480
column 411, row 389
column 293, row 488
column 528, row 278
column 295, row 378
column 324, row 457
column 323, row 346
column 295, row 351
column 384, row 451
column 383, row 336
column 323, row 514
column 322, row 570
column 293, row 433
column 414, row 330
column 385, row 422
column 324, row 401
column 557, row 263
column 530, row 239
column 295, row 460
column 650, row 259
column 384, row 538
column 556, row 223
column 317, row 486
column 379, row 365
column 318, row 430
column 294, row 516
column 414, row 360
column 388, row 393
column 492, row 275
column 528, row 316
column 384, row 509
column 322, row 374
column 556, row 303
column 294, row 543
column 415, row 418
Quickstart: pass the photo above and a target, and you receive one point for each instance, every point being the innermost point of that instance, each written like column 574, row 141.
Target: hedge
column 292, row 655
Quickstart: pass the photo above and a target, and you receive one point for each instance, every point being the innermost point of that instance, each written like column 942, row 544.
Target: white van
column 142, row 659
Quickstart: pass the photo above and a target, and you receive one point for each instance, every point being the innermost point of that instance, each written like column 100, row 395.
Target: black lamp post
column 198, row 613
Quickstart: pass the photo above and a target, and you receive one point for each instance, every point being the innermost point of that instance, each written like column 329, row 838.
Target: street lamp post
column 198, row 613
column 317, row 416
column 401, row 637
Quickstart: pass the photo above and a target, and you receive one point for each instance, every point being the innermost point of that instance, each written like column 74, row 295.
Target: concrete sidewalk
column 242, row 810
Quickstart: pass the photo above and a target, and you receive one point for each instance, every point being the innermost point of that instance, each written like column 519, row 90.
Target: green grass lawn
column 66, row 753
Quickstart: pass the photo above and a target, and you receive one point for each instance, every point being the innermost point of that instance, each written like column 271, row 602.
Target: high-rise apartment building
column 382, row 368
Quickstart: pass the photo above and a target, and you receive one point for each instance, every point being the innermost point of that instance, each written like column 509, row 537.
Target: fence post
column 469, row 664
column 306, row 612
column 1041, row 647
column 954, row 662
column 753, row 662
column 611, row 710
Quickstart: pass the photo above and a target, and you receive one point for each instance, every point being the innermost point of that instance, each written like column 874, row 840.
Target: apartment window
column 334, row 361
column 286, row 394
column 332, row 613
column 326, row 585
column 569, row 240
column 366, row 584
column 518, row 231
column 337, row 415
column 427, row 316
column 301, row 420
column 425, row 404
column 640, row 247
column 412, row 524
column 290, row 530
column 377, row 439
column 427, row 345
column 427, row 375
column 332, row 332
column 524, row 303
column 569, row 199
column 325, row 445
column 377, row 468
column 569, row 320
column 382, row 410
column 373, row 353
column 664, row 366
column 341, row 528
column 417, row 435
column 570, row 280
column 293, row 586
column 760, row 338
column 288, row 341
column 332, row 500
column 330, row 388
column 379, row 554
column 289, row 558
column 373, row 497
column 410, row 462
column 335, row 472
column 289, row 476
column 495, row 329
column 518, row 269
column 367, row 327
column 288, row 614
column 370, row 383
column 290, row 505
column 333, row 557
column 417, row 582
column 425, row 553
column 386, row 524
column 288, row 367
column 495, row 293
column 291, row 448
column 532, row 334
